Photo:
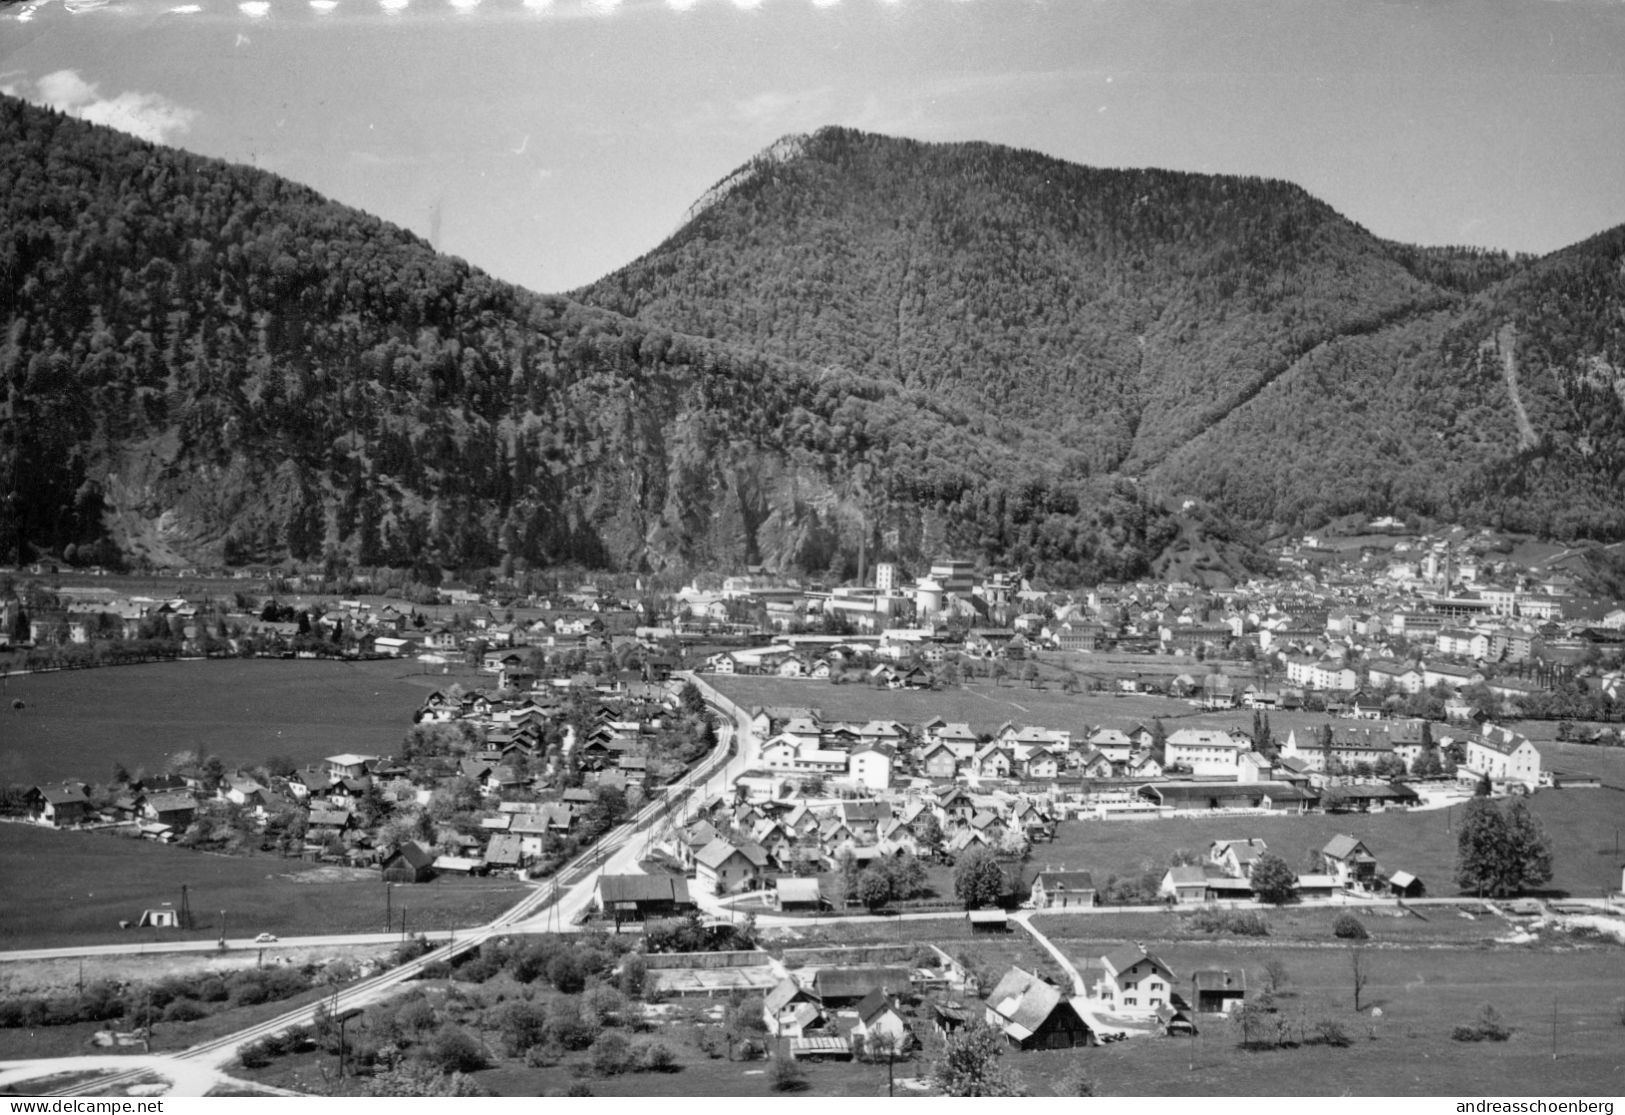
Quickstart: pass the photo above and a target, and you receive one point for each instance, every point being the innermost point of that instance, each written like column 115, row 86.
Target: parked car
column 265, row 939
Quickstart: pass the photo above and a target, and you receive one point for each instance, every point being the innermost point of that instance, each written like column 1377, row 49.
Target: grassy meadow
column 77, row 723
column 82, row 884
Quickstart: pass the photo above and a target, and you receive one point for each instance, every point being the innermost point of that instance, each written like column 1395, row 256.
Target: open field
column 77, row 723
column 1581, row 825
column 984, row 706
column 80, row 885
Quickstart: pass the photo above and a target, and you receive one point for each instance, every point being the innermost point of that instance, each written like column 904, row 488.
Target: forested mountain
column 1229, row 339
column 203, row 362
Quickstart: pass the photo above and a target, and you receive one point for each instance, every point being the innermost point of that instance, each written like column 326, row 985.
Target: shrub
column 786, row 1075
column 1491, row 1026
column 567, row 1027
column 656, row 1057
column 523, row 1026
column 184, row 1010
column 611, row 1054
column 1328, row 1031
column 1466, row 1033
column 1347, row 927
column 579, row 1088
column 1236, row 923
column 254, row 1055
column 604, row 1005
column 634, row 976
column 213, row 990
column 1079, row 1084
column 564, row 972
column 456, row 1050
column 705, row 1039
column 415, row 1018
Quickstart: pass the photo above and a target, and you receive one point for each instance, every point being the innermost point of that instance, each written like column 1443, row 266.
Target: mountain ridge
column 205, row 363
column 1154, row 308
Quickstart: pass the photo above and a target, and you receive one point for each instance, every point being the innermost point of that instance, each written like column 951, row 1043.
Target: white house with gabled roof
column 1134, row 982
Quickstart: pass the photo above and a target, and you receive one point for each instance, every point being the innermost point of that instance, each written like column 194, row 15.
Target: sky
column 552, row 141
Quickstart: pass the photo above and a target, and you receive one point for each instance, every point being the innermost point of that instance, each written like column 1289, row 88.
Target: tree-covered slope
column 1228, row 338
column 204, row 362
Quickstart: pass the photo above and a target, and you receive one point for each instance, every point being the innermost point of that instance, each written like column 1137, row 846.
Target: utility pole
column 389, row 913
column 1554, row 1029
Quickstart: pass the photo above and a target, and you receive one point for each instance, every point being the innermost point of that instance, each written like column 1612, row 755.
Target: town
column 740, row 767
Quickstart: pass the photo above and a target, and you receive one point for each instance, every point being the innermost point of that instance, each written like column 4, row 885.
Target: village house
column 1033, row 1013
column 723, row 868
column 1349, row 862
column 1060, row 889
column 1236, row 857
column 1134, row 982
column 61, row 806
column 791, row 1010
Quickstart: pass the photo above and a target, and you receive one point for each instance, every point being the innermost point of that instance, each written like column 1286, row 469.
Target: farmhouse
column 60, row 805
column 1032, row 1013
column 1217, row 990
column 643, row 896
column 409, row 863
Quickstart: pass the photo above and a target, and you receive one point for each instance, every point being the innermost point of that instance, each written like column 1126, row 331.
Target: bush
column 455, row 1050
column 184, row 1010
column 611, row 1054
column 564, row 972
column 1347, row 927
column 566, row 1027
column 634, row 976
column 656, row 1057
column 578, row 1089
column 213, row 990
column 1329, row 1031
column 786, row 1075
column 1491, row 1026
column 1466, row 1033
column 254, row 1055
column 523, row 1026
column 1236, row 923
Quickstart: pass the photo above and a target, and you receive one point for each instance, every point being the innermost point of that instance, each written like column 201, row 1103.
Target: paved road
column 551, row 905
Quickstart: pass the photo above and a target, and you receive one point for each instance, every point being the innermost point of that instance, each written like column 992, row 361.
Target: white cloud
column 149, row 116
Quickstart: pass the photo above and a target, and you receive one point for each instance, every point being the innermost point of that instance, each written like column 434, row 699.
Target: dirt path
column 1506, row 340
